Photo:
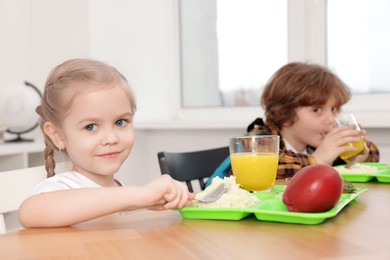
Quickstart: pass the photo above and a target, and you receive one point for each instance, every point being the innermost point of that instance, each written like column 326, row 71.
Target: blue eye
column 91, row 127
column 121, row 122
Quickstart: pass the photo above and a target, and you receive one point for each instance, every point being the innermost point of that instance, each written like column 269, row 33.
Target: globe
column 17, row 109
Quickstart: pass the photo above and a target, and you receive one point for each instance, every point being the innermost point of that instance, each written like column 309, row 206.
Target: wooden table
column 360, row 231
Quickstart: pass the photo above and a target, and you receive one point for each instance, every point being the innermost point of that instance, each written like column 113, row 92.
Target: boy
column 301, row 102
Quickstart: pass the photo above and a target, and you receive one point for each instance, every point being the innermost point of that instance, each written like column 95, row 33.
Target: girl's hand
column 167, row 193
column 333, row 144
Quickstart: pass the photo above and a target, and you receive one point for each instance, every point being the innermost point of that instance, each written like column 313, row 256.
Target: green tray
column 382, row 175
column 270, row 208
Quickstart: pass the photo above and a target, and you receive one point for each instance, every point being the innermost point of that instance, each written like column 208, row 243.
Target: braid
column 50, row 163
column 48, row 153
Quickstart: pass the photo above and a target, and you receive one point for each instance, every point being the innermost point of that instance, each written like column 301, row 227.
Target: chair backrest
column 188, row 166
column 16, row 186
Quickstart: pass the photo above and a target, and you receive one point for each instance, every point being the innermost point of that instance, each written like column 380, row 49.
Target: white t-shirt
column 291, row 148
column 66, row 180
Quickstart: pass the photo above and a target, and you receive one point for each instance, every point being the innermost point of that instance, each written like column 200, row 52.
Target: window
column 358, row 47
column 230, row 48
column 227, row 56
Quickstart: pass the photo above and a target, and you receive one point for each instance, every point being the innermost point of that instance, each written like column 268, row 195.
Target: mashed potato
column 234, row 197
column 357, row 168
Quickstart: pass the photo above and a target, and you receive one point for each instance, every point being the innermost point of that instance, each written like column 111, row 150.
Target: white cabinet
column 21, row 155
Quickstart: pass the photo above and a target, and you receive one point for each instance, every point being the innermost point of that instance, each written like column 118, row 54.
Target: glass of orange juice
column 349, row 120
column 254, row 161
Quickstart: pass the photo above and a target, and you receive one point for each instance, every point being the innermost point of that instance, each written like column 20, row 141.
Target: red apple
column 314, row 188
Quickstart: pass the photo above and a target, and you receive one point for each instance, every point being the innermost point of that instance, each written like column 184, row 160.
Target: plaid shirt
column 291, row 162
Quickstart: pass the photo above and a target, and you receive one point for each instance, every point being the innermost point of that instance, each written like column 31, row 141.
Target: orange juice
column 255, row 171
column 359, row 146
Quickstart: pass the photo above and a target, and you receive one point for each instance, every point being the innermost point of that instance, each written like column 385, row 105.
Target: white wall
column 15, row 43
column 140, row 38
column 59, row 31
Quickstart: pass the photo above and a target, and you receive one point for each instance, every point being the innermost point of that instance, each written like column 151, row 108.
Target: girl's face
column 311, row 125
column 98, row 133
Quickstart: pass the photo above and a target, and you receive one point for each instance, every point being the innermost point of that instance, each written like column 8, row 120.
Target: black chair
column 187, row 166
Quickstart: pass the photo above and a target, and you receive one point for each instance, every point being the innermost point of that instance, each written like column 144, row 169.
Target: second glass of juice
column 349, row 120
column 254, row 161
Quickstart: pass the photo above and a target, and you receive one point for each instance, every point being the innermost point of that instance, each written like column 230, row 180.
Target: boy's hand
column 333, row 144
column 361, row 157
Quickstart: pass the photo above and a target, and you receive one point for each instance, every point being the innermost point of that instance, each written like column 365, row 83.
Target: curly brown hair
column 299, row 84
column 66, row 81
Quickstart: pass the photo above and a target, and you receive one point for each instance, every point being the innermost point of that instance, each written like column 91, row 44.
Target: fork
column 210, row 197
column 214, row 194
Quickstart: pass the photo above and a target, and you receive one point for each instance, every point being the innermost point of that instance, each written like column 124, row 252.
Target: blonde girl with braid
column 86, row 113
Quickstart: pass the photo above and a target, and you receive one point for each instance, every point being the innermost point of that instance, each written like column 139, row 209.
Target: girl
column 86, row 112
